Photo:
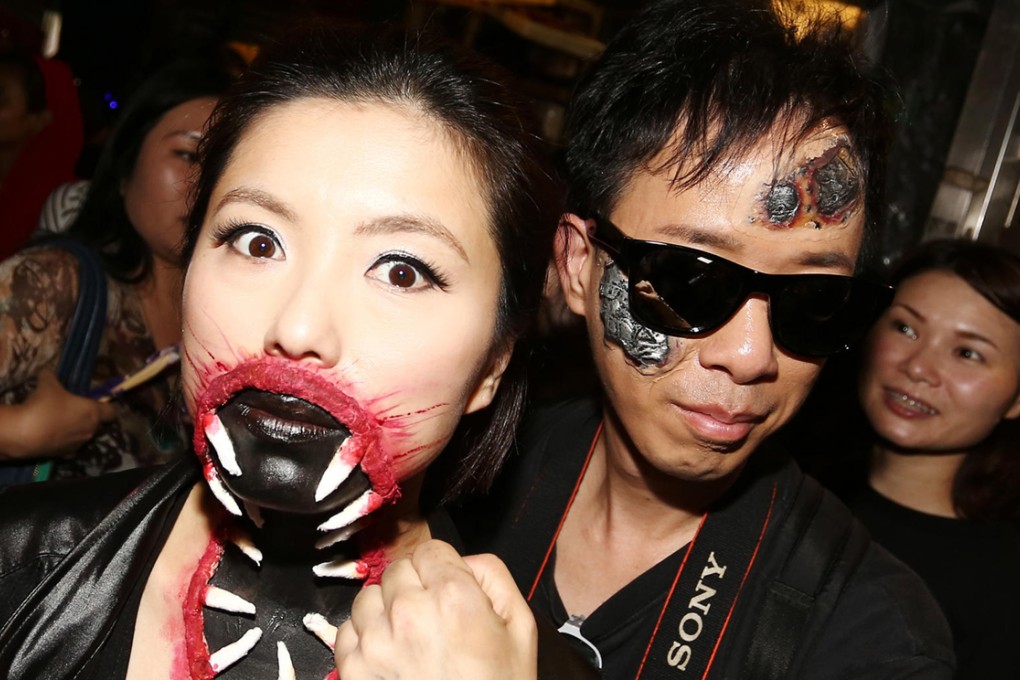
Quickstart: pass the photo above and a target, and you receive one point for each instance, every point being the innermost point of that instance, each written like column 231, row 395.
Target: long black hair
column 469, row 98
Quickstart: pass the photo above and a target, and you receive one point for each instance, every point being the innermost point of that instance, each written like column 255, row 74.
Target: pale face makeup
column 340, row 304
column 155, row 195
column 697, row 407
column 942, row 367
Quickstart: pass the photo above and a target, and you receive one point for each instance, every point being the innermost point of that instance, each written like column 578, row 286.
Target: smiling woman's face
column 339, row 308
column 942, row 366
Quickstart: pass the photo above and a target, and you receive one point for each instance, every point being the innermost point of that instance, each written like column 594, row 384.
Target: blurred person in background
column 940, row 386
column 40, row 139
column 133, row 220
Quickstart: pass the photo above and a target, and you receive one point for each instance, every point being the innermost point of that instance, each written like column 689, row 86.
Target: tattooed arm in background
column 38, row 293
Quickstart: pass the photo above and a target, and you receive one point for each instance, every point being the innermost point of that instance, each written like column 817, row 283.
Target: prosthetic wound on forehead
column 819, row 193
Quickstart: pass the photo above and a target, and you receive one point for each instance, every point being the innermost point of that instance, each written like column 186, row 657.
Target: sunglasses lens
column 686, row 292
column 823, row 315
column 683, row 292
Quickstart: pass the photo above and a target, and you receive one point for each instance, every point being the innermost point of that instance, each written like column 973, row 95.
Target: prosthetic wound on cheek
column 820, row 193
column 300, row 465
column 647, row 349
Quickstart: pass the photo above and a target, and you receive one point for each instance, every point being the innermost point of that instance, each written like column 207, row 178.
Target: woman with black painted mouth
column 366, row 244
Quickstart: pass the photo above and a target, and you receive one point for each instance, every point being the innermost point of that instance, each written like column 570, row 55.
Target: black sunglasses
column 687, row 292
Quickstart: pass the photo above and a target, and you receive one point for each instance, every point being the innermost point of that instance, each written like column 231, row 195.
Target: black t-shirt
column 972, row 569
column 884, row 624
column 622, row 625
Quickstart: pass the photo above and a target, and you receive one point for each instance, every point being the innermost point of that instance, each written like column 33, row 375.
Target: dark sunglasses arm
column 607, row 236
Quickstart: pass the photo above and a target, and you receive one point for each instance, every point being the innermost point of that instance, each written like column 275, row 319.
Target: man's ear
column 575, row 257
column 490, row 379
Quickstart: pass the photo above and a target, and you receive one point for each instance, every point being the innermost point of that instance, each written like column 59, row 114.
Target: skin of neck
column 627, row 517
column 630, row 493
column 160, row 295
column 919, row 480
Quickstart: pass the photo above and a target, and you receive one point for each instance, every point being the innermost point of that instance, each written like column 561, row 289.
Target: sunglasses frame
column 626, row 251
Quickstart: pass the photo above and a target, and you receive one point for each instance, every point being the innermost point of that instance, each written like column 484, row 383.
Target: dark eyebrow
column 832, row 259
column 256, row 197
column 190, row 134
column 965, row 334
column 971, row 335
column 694, row 236
column 409, row 223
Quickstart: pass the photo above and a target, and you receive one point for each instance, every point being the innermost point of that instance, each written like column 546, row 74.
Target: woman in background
column 133, row 219
column 940, row 386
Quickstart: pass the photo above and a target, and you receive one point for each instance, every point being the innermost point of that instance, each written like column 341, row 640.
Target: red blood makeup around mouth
column 284, row 376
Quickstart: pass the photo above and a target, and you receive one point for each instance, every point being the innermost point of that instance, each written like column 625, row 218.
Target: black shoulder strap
column 78, row 357
column 829, row 545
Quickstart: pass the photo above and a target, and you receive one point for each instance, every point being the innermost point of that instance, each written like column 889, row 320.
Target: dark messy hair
column 102, row 222
column 469, row 100
column 987, row 485
column 719, row 76
column 33, row 82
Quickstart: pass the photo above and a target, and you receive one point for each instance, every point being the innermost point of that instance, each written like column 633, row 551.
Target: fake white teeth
column 221, row 493
column 246, row 546
column 284, row 663
column 349, row 569
column 220, row 440
column 339, row 535
column 228, row 655
column 255, row 514
column 360, row 507
column 317, row 625
column 336, row 472
column 226, row 601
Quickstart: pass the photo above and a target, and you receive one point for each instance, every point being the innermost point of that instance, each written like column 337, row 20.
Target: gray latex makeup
column 643, row 346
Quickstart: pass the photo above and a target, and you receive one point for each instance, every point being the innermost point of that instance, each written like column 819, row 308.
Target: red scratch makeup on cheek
column 400, row 426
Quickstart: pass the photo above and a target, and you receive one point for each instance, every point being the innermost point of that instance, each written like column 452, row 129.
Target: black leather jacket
column 73, row 553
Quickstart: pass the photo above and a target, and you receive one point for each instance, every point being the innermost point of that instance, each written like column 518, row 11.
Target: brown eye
column 261, row 246
column 403, row 275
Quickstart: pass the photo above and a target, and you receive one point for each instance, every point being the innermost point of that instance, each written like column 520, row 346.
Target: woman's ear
column 1014, row 410
column 575, row 257
column 485, row 391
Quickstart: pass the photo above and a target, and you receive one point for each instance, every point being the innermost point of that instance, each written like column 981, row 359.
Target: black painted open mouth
column 282, row 446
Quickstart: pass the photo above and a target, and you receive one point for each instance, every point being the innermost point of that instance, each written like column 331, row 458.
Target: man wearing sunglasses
column 723, row 182
column 723, row 179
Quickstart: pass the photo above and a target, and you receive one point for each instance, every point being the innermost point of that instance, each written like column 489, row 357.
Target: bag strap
column 86, row 328
column 78, row 357
column 830, row 545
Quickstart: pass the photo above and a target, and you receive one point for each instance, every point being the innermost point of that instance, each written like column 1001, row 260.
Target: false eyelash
column 229, row 230
column 430, row 271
